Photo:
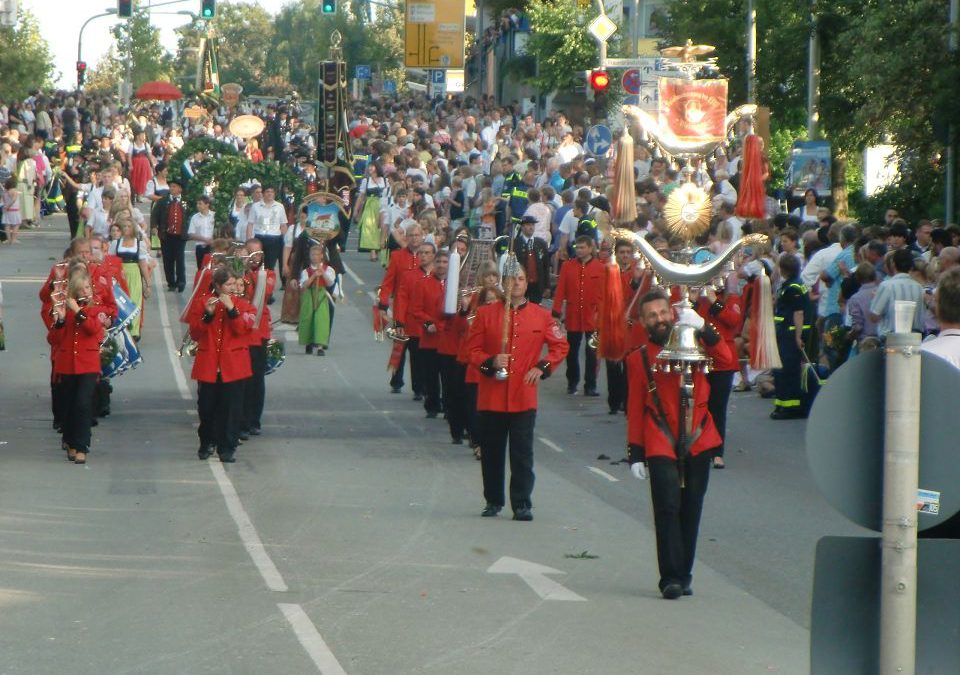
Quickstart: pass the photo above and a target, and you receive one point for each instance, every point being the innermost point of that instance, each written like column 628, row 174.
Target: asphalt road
column 347, row 538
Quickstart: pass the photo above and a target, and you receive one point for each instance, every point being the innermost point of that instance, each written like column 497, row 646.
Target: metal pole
column 751, row 52
column 901, row 446
column 80, row 37
column 813, row 75
column 950, row 188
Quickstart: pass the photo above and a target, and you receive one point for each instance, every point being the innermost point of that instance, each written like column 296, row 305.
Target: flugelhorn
column 188, row 346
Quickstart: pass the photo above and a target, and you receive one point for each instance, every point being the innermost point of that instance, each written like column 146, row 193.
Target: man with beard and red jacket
column 507, row 408
column 577, row 299
column 673, row 437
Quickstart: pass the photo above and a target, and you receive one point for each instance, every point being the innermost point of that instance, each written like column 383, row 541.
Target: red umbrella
column 158, row 91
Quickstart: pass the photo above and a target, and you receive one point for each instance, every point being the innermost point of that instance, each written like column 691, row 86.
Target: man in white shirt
column 98, row 222
column 947, row 344
column 820, row 261
column 731, row 220
column 200, row 229
column 268, row 223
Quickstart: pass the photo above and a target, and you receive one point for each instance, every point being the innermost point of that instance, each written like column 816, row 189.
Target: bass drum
column 118, row 354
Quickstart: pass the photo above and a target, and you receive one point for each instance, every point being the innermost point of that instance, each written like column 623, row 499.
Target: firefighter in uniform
column 673, row 438
column 580, row 286
column 514, row 192
column 508, row 408
column 793, row 318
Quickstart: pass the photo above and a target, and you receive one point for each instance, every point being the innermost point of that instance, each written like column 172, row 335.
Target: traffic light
column 599, row 81
column 328, row 7
column 124, row 8
column 81, row 72
column 208, row 9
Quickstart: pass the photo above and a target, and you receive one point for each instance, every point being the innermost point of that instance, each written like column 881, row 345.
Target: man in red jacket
column 508, row 407
column 221, row 327
column 577, row 299
column 672, row 437
column 401, row 261
column 426, row 314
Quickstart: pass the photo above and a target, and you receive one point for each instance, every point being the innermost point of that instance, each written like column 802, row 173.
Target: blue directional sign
column 598, row 140
column 438, row 76
column 389, row 87
column 363, row 73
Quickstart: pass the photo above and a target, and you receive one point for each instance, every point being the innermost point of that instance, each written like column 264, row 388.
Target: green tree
column 561, row 44
column 135, row 36
column 25, row 60
column 245, row 35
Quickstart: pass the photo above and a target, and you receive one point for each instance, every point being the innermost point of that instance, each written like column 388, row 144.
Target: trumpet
column 593, row 342
column 396, row 334
column 188, row 346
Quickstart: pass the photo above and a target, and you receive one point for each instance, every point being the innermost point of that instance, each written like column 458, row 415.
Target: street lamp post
column 108, row 12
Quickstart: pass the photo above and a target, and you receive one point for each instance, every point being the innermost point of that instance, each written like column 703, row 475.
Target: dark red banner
column 694, row 110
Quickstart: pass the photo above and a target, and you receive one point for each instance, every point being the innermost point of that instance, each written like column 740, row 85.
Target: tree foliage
column 561, row 44
column 135, row 36
column 25, row 60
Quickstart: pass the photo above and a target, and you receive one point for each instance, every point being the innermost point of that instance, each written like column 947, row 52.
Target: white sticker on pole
column 421, row 12
column 928, row 501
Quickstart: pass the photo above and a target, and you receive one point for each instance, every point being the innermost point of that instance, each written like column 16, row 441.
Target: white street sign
column 535, row 577
column 602, row 28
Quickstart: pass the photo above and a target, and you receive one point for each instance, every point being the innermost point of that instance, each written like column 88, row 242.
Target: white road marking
column 535, row 577
column 353, row 275
column 248, row 533
column 311, row 640
column 168, row 338
column 601, row 472
column 550, row 444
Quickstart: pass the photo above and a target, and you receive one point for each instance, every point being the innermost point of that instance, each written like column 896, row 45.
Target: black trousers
column 429, row 363
column 220, row 407
column 473, row 417
column 255, row 390
column 416, row 368
column 574, row 338
column 76, row 395
column 73, row 215
column 787, row 381
column 721, row 381
column 272, row 250
column 56, row 398
column 200, row 251
column 676, row 514
column 174, row 263
column 616, row 385
column 101, row 397
column 454, row 394
column 495, row 429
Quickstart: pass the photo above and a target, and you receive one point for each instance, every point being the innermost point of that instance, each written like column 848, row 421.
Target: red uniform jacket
column 77, row 348
column 531, row 329
column 402, row 260
column 453, row 334
column 404, row 296
column 636, row 334
column 725, row 316
column 102, row 283
column 262, row 332
column 222, row 341
column 581, row 286
column 426, row 308
column 645, row 436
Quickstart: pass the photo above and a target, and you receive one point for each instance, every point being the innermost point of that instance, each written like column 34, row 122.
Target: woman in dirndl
column 368, row 206
column 135, row 258
column 315, row 299
column 141, row 165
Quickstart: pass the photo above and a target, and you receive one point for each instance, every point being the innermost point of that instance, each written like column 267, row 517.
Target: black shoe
column 431, row 415
column 309, row 349
column 591, row 392
column 321, row 352
column 204, row 452
column 456, row 441
column 171, row 287
column 572, row 391
column 672, row 591
column 523, row 515
column 418, row 397
column 396, row 390
column 105, row 412
column 491, row 511
column 687, row 590
column 94, row 422
column 785, row 414
column 254, row 431
column 180, row 288
column 243, row 436
column 613, row 412
column 228, row 458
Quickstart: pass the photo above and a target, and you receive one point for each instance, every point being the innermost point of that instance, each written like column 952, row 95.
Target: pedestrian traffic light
column 81, row 72
column 124, row 8
column 329, row 7
column 599, row 81
column 208, row 9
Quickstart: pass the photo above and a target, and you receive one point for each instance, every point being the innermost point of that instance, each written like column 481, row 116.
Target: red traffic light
column 599, row 80
column 81, row 66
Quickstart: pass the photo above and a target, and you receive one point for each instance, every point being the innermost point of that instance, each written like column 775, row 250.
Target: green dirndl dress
column 314, row 325
column 370, row 221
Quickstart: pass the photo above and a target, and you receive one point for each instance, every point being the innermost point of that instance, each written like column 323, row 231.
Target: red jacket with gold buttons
column 223, row 341
column 645, row 427
column 531, row 329
column 401, row 305
column 77, row 347
column 580, row 285
column 261, row 332
column 426, row 308
column 401, row 261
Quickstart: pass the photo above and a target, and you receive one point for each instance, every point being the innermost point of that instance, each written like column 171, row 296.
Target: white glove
column 638, row 470
column 690, row 318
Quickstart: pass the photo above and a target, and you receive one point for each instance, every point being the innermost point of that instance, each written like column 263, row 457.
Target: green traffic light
column 329, row 7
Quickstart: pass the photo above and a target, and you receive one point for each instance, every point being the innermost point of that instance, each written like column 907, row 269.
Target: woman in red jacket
column 222, row 332
column 76, row 363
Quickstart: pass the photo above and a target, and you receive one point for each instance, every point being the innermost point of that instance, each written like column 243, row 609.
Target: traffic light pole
column 112, row 12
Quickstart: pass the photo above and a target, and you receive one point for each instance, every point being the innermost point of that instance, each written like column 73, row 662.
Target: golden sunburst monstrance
column 687, row 212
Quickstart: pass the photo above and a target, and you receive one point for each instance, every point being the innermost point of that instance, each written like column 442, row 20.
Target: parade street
column 347, row 538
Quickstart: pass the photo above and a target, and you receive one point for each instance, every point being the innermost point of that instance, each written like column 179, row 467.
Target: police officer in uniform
column 508, row 407
column 793, row 318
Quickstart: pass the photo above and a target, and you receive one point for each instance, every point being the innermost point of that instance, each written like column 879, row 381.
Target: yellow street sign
column 434, row 34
